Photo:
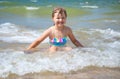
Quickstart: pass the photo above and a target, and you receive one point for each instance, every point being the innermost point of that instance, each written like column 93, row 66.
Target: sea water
column 95, row 24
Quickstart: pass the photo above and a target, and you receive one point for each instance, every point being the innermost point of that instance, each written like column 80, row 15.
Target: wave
column 33, row 0
column 101, row 50
column 112, row 21
column 17, row 34
column 32, row 8
column 16, row 62
column 4, row 1
column 87, row 6
column 12, row 33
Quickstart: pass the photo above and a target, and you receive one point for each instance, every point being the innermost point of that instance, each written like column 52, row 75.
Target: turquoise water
column 95, row 23
column 81, row 13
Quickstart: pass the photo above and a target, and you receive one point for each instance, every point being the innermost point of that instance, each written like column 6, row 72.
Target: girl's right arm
column 40, row 39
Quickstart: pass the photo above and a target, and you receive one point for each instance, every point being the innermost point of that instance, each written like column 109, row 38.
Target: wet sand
column 86, row 73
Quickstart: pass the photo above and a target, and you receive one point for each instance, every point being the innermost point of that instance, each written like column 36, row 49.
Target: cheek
column 54, row 20
column 64, row 21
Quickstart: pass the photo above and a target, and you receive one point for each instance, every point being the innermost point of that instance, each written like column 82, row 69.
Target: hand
column 28, row 51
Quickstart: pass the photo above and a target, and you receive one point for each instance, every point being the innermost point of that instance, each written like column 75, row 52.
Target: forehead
column 57, row 14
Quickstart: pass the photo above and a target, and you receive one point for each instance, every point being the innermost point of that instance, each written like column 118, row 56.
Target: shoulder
column 49, row 29
column 68, row 29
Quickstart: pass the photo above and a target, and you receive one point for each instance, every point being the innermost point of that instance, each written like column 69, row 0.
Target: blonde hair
column 59, row 10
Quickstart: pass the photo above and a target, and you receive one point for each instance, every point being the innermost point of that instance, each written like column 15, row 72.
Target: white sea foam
column 19, row 63
column 4, row 1
column 32, row 8
column 88, row 6
column 102, row 51
column 13, row 34
column 110, row 21
column 33, row 0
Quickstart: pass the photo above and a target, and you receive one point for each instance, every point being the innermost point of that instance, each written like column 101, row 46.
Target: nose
column 61, row 19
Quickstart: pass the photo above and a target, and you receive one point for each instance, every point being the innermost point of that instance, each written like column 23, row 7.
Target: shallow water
column 95, row 25
column 101, row 50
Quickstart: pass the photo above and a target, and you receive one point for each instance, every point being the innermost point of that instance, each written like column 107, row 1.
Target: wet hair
column 59, row 10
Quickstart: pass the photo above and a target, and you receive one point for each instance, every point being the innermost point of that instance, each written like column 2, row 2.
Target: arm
column 73, row 39
column 39, row 40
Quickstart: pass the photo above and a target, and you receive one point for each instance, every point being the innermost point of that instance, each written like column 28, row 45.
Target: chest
column 58, row 34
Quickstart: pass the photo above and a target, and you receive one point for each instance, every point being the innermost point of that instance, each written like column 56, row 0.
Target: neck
column 59, row 28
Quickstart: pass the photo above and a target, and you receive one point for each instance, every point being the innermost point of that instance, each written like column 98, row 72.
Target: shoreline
column 85, row 73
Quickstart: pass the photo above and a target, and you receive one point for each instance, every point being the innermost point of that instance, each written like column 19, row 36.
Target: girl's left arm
column 73, row 39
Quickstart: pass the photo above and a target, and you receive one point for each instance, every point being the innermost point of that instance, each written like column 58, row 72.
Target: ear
column 52, row 18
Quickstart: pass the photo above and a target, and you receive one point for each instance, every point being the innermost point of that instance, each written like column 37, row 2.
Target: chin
column 60, row 25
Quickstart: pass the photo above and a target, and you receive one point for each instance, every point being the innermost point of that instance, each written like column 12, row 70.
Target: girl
column 58, row 33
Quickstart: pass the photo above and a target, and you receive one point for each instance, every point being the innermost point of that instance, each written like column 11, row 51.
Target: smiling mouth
column 60, row 23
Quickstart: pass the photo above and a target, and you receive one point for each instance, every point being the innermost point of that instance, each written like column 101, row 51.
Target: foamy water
column 32, row 8
column 89, row 6
column 102, row 50
column 13, row 34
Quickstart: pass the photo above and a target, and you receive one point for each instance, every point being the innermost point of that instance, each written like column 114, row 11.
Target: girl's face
column 59, row 19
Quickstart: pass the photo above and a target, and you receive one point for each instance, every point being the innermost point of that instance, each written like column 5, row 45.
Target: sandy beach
column 86, row 73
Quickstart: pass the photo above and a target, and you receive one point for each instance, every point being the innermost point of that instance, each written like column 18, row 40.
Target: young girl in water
column 57, row 33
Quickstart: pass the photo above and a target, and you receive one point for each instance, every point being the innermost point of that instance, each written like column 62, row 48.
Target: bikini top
column 58, row 42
